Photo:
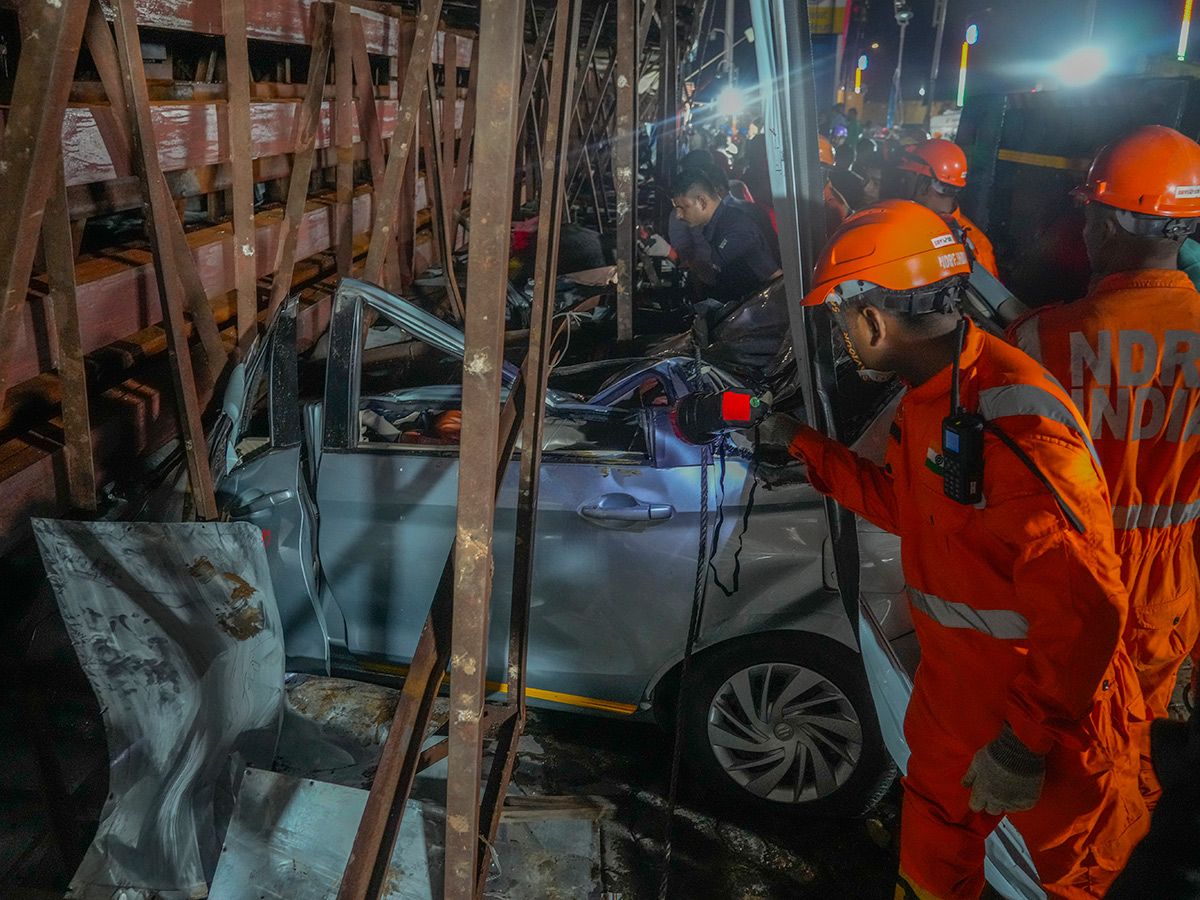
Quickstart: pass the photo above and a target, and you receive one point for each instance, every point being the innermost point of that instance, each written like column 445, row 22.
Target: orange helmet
column 825, row 150
column 1154, row 171
column 941, row 160
column 897, row 245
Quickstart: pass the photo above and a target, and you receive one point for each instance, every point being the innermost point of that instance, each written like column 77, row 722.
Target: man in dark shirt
column 742, row 261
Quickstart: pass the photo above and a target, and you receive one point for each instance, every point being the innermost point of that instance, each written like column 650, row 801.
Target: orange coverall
column 981, row 247
column 1128, row 353
column 1019, row 619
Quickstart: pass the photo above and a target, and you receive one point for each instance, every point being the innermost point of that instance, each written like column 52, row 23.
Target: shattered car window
column 412, row 399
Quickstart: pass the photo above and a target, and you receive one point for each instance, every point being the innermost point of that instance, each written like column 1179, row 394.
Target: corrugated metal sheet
column 177, row 630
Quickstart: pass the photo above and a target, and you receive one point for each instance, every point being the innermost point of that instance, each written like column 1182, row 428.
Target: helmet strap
column 944, row 296
column 1154, row 226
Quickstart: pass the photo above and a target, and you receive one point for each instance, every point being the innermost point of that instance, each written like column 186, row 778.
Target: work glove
column 1005, row 776
column 778, row 430
column 657, row 246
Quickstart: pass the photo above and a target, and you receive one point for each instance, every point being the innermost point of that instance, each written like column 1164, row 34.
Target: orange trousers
column 1080, row 833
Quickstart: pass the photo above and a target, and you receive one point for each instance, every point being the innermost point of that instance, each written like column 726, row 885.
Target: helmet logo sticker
column 947, row 260
column 1187, row 191
column 944, row 240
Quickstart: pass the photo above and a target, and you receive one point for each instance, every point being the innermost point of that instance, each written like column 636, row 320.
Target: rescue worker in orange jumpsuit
column 933, row 173
column 1128, row 352
column 1021, row 704
column 836, row 207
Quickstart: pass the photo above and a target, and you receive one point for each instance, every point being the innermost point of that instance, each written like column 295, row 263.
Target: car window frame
column 343, row 381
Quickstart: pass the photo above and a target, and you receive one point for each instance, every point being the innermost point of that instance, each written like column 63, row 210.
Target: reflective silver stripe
column 1030, row 400
column 999, row 623
column 1164, row 516
column 1028, row 337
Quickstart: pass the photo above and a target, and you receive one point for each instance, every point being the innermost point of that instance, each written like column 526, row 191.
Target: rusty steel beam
column 306, row 133
column 668, row 81
column 107, row 59
column 160, row 221
column 372, row 138
column 448, row 127
column 500, row 48
column 383, row 231
column 343, row 120
column 466, row 142
column 245, row 273
column 624, row 160
column 287, row 23
column 402, row 756
column 551, row 213
column 649, row 12
column 533, row 67
column 435, row 183
column 52, row 33
column 58, row 243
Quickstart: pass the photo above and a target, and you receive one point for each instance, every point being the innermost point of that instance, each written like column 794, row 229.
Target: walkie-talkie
column 962, row 441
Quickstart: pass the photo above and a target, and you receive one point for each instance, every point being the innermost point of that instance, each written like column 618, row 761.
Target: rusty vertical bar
column 241, row 164
column 106, row 59
column 434, row 190
column 537, row 369
column 465, row 144
column 372, row 137
column 307, row 119
column 501, row 47
column 534, row 62
column 108, row 65
column 59, row 246
column 383, row 228
column 557, row 141
column 32, row 136
column 406, row 227
column 400, row 760
column 160, row 220
column 668, row 79
column 448, row 128
column 343, row 136
column 625, row 162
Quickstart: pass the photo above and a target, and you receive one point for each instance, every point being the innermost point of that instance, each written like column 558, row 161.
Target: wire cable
column 697, row 618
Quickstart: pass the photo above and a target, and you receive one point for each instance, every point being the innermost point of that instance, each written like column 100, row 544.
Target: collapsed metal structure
column 536, row 102
column 174, row 170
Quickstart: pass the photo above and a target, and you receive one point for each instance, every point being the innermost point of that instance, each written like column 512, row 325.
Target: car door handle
column 258, row 504
column 641, row 512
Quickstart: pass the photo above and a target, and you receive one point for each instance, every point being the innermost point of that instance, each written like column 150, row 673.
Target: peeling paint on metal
column 479, row 364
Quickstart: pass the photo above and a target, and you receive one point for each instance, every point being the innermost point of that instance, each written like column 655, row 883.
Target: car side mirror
column 235, row 395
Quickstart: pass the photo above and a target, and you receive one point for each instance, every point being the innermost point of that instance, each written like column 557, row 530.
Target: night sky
column 1018, row 40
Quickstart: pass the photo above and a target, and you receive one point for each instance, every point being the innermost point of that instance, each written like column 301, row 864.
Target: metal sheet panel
column 176, row 627
column 291, row 838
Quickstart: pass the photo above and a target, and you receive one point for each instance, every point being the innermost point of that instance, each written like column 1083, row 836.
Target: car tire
column 818, row 753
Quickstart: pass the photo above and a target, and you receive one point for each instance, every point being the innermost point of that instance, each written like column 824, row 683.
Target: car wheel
column 786, row 721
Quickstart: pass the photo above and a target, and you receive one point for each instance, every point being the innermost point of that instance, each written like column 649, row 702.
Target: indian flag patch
column 934, row 462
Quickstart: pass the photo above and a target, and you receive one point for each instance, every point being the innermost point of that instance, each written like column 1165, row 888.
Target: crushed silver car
column 347, row 460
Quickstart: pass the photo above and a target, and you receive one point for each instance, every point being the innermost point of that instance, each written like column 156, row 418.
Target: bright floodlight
column 1082, row 66
column 731, row 102
column 862, row 61
column 972, row 34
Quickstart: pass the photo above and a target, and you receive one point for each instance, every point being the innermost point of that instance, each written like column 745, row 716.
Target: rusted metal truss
column 574, row 124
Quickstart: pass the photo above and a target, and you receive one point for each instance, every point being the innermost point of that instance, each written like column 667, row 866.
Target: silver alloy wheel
column 784, row 732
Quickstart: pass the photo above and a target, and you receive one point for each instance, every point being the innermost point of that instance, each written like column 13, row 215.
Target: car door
column 258, row 461
column 616, row 545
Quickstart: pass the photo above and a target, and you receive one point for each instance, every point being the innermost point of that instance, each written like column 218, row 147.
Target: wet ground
column 719, row 850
